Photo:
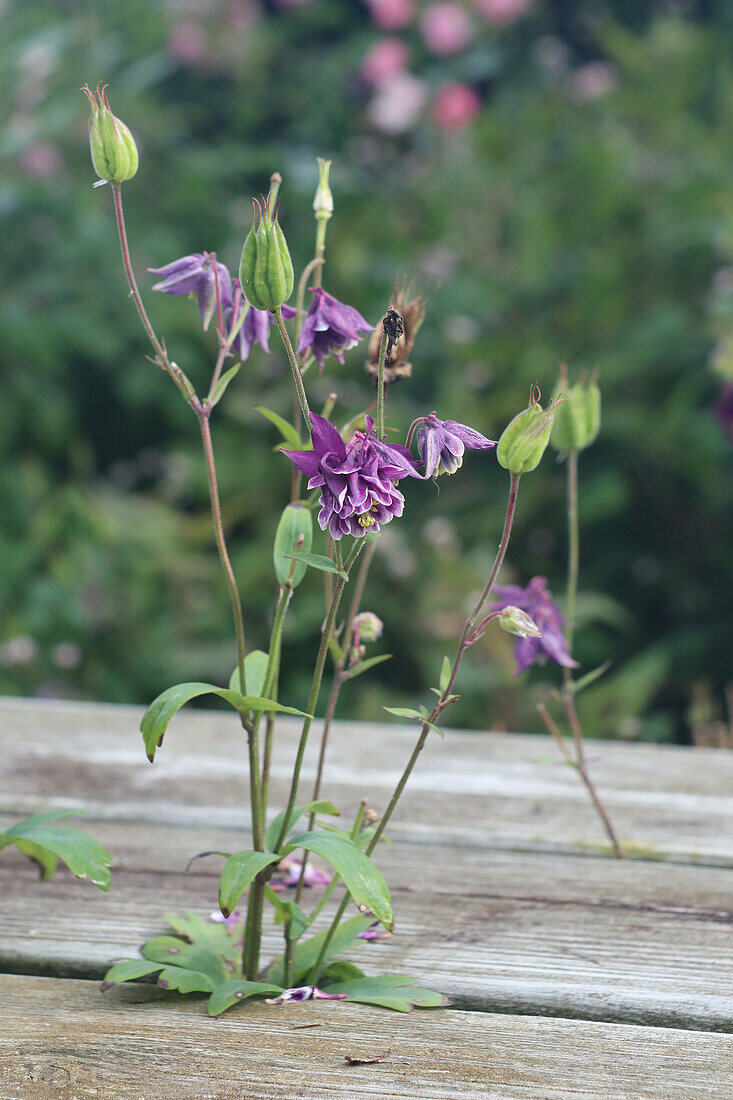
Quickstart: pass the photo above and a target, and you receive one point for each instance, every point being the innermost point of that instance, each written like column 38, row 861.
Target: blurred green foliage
column 559, row 226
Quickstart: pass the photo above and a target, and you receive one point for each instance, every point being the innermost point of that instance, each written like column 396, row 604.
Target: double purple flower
column 535, row 599
column 441, row 443
column 330, row 328
column 358, row 480
column 194, row 274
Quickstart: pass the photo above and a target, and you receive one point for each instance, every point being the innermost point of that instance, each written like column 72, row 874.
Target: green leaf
column 341, row 971
column 127, row 970
column 395, row 991
column 364, row 882
column 255, row 671
column 445, row 671
column 231, row 993
column 307, row 951
column 200, row 958
column 287, row 431
column 319, row 561
column 238, row 873
column 296, row 522
column 161, row 710
column 185, row 980
column 364, row 666
column 47, row 861
column 287, row 912
column 82, row 853
column 420, row 715
column 222, row 384
column 273, row 830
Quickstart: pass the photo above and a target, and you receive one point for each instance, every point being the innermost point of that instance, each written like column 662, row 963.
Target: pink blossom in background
column 292, row 3
column 41, row 161
column 455, row 106
column 397, row 103
column 386, row 58
column 503, row 12
column 446, row 28
column 186, row 43
column 241, row 14
column 594, row 80
column 391, row 14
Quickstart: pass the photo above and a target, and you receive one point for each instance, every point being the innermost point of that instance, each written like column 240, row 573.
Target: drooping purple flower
column 375, row 931
column 194, row 274
column 330, row 327
column 441, row 443
column 724, row 409
column 255, row 328
column 289, row 875
column 357, row 479
column 304, row 993
column 536, row 600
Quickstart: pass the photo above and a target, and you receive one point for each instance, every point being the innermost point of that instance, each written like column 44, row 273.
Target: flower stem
column 175, row 372
column 444, row 701
column 380, row 383
column 573, row 547
column 295, row 368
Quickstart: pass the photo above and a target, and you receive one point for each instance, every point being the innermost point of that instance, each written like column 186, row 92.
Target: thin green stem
column 380, row 384
column 573, row 547
column 295, row 368
column 175, row 372
column 444, row 701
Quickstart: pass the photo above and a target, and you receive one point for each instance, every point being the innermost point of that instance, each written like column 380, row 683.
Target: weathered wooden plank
column 512, row 932
column 670, row 803
column 61, row 1040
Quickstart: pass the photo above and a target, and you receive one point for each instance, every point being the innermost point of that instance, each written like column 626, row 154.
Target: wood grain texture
column 511, row 791
column 63, row 1040
column 513, row 932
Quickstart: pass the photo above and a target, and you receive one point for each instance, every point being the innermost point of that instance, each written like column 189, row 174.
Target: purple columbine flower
column 255, row 328
column 535, row 599
column 304, row 993
column 330, row 327
column 289, row 869
column 357, row 480
column 194, row 274
column 441, row 443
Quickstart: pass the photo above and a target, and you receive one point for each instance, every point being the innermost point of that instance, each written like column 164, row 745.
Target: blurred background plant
column 556, row 175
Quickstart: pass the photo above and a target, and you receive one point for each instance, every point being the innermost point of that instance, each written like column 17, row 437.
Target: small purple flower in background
column 194, row 274
column 441, row 443
column 304, row 993
column 375, row 931
column 330, row 328
column 357, row 480
column 290, row 868
column 535, row 599
column 724, row 409
column 231, row 921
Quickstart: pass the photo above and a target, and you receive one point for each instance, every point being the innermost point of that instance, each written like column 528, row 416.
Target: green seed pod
column 578, row 417
column 113, row 149
column 323, row 202
column 524, row 440
column 266, row 270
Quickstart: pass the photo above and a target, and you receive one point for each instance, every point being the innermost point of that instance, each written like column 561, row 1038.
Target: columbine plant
column 354, row 481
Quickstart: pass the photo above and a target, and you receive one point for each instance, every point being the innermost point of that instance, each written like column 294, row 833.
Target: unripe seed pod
column 113, row 149
column 266, row 270
column 524, row 440
column 578, row 417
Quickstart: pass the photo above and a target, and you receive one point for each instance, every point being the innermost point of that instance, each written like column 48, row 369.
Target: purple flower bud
column 194, row 274
column 536, row 601
column 330, row 328
column 375, row 931
column 357, row 480
column 441, row 443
